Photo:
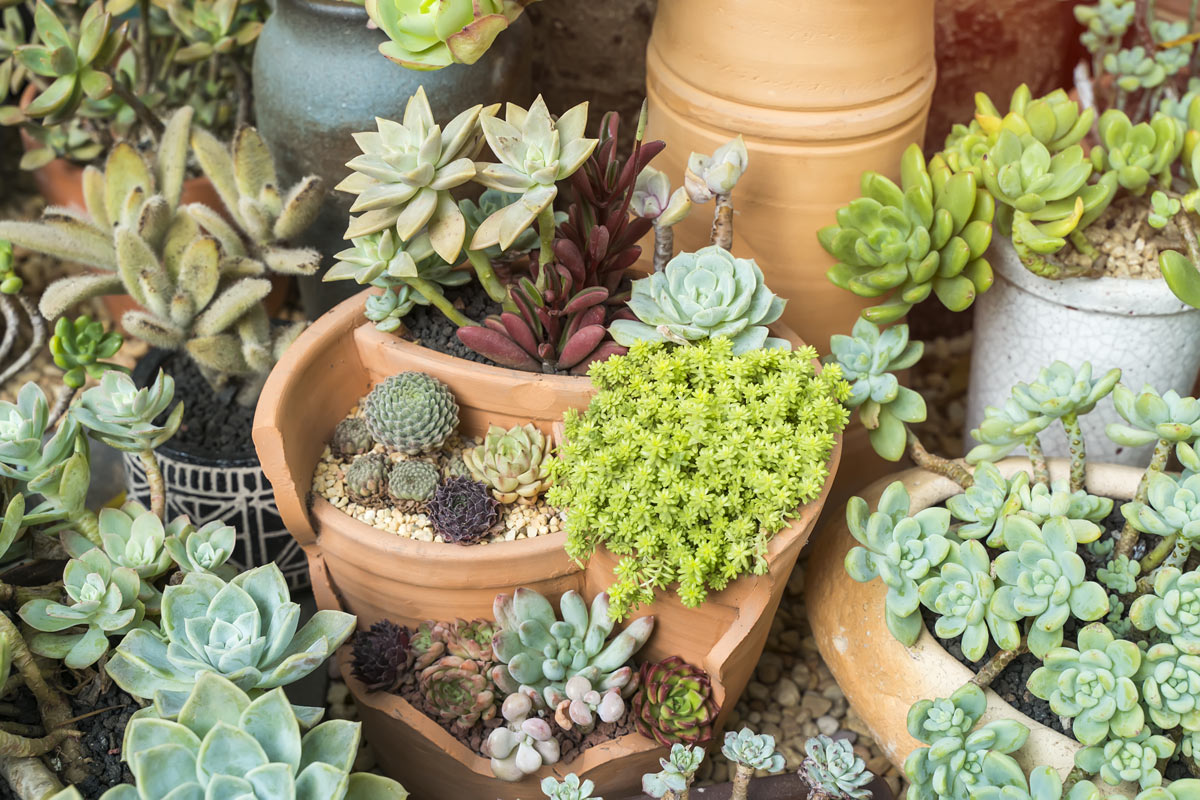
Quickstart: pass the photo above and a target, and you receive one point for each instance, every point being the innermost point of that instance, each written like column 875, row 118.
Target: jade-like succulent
column 1131, row 759
column 535, row 152
column 1134, row 69
column 674, row 703
column 244, row 630
column 123, row 416
column 584, row 705
column 1106, row 22
column 753, row 750
column 712, row 176
column 1171, row 687
column 457, row 690
column 411, row 412
column 1003, row 430
column 351, row 437
column 1172, row 508
column 406, row 171
column 1054, row 119
column 427, row 35
column 961, row 759
column 203, row 549
column 102, row 598
column 868, row 359
column 1120, row 574
column 133, row 537
column 900, row 550
column 703, row 295
column 367, row 477
column 524, row 744
column 538, row 652
column 832, row 767
column 462, row 510
column 987, row 503
column 1152, row 416
column 78, row 345
column 413, row 480
column 381, row 655
column 1094, row 684
column 227, row 743
column 962, row 596
column 1084, row 511
column 569, row 788
column 1060, row 390
column 1044, row 784
column 514, row 464
column 74, row 62
column 1137, row 153
column 1173, row 608
column 927, row 235
column 389, row 309
column 1043, row 577
column 677, row 773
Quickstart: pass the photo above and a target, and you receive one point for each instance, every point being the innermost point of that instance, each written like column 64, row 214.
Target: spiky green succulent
column 961, row 594
column 1131, row 759
column 514, row 463
column 457, row 690
column 1094, row 684
column 79, row 345
column 832, row 767
column 411, row 412
column 869, row 358
column 424, row 35
column 102, row 600
column 523, row 744
column 413, row 480
column 1173, row 608
column 203, row 549
column 538, row 652
column 351, row 437
column 677, row 773
column 123, row 416
column 1151, row 416
column 367, row 477
column 73, row 62
column 754, row 750
column 674, row 702
column 133, row 537
column 927, row 235
column 900, row 550
column 244, row 630
column 1138, row 153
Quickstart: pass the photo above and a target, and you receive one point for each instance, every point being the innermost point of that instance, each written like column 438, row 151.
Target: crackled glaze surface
column 1024, row 322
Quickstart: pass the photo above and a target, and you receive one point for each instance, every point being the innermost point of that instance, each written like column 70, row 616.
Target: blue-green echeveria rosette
column 122, row 415
column 1094, row 684
column 1131, row 759
column 1060, row 390
column 898, row 549
column 432, row 34
column 703, row 295
column 987, row 503
column 203, row 549
column 1173, row 608
column 1172, row 508
column 754, row 750
column 1170, row 680
column 132, row 537
column 1043, row 578
column 961, row 595
column 1151, row 416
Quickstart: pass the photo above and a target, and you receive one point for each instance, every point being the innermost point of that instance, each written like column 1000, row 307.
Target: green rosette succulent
column 900, row 550
column 868, row 359
column 712, row 176
column 703, row 295
column 961, row 594
column 1137, row 153
column 1094, row 684
column 960, row 759
column 1174, row 48
column 25, row 453
column 1152, row 417
column 1106, row 21
column 1134, row 69
column 1061, row 391
column 753, row 750
column 569, row 788
column 674, row 703
column 927, row 235
column 132, row 537
column 204, row 549
column 832, row 767
column 1170, row 681
column 406, row 171
column 987, row 503
column 535, row 151
column 413, row 480
column 1173, row 609
column 382, row 259
column 244, row 630
column 102, row 599
column 213, row 27
column 123, row 416
column 1127, row 760
column 389, row 309
column 493, row 200
column 411, row 412
column 1084, row 511
column 77, row 347
column 432, row 34
column 457, row 690
column 73, row 61
column 1172, row 508
column 513, row 463
column 1042, row 578
column 1120, row 575
column 366, row 478
column 677, row 772
column 1044, row 784
column 351, row 437
column 1054, row 119
column 1004, row 429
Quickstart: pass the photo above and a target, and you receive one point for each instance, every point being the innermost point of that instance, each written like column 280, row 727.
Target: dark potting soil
column 214, row 424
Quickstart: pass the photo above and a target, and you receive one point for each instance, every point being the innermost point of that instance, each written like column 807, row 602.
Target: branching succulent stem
column 1047, row 265
column 1078, row 449
column 154, row 479
column 992, row 668
column 87, row 523
column 487, row 277
column 1037, row 458
column 62, row 401
column 942, row 466
column 1129, row 534
column 1151, row 560
column 1082, row 244
column 664, row 246
column 432, row 293
column 741, row 781
column 545, row 223
column 1179, row 553
column 29, row 777
column 145, row 70
column 722, row 229
column 147, row 117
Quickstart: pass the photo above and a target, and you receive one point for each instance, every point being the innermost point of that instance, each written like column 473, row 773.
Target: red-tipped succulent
column 674, row 703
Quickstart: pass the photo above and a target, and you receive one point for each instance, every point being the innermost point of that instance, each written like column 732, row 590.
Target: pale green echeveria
column 832, row 766
column 1003, row 430
column 926, row 236
column 1174, row 51
column 1060, row 390
column 1171, row 687
column 203, row 549
column 406, row 171
column 1054, row 119
column 1044, row 784
column 1084, row 511
column 898, row 549
column 102, row 600
column 244, row 630
column 960, row 594
column 1189, row 459
column 132, row 537
column 1134, row 69
column 961, row 760
column 707, row 176
column 1137, row 153
column 754, row 750
column 1043, row 579
column 535, row 152
column 1094, row 685
column 703, row 295
column 1106, row 22
column 432, row 34
column 1173, row 609
column 985, row 505
column 410, row 274
column 1172, row 508
column 1152, row 416
column 1119, row 575
column 491, row 201
column 677, row 772
column 1128, row 759
column 868, row 358
column 388, row 310
column 123, row 416
column 226, row 744
column 653, row 199
column 25, row 453
column 569, row 788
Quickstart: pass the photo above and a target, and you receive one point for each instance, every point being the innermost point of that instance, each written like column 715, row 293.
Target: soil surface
column 428, row 327
column 214, row 424
column 1128, row 247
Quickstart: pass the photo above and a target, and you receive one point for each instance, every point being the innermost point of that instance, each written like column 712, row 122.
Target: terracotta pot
column 821, row 91
column 881, row 677
column 375, row 574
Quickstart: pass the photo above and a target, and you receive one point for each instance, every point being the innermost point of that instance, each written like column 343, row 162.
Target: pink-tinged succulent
column 457, row 689
column 675, row 703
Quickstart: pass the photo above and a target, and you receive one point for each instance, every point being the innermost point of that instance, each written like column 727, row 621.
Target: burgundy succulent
column 381, row 655
column 674, row 703
column 462, row 510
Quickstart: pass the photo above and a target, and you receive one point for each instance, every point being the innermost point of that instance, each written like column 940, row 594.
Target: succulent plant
column 1170, row 681
column 1152, row 417
column 1120, row 574
column 468, row 639
column 1084, row 511
column 1094, row 684
column 25, row 452
column 1130, row 759
column 102, row 598
column 456, row 467
column 962, row 594
column 1137, row 153
column 961, row 758
column 512, row 463
column 229, row 744
column 211, row 28
column 927, row 235
column 381, row 655
column 900, row 550
column 987, row 503
column 1004, row 429
column 351, row 437
column 491, row 201
column 1061, row 391
column 456, row 689
column 677, row 772
column 538, row 652
column 868, row 359
column 428, row 36
column 1173, row 608
column 569, row 788
column 388, row 310
column 133, row 537
column 1042, row 576
column 523, row 744
column 674, row 703
column 753, row 750
column 122, row 416
column 77, row 347
column 584, row 705
column 1054, row 119
column 428, row 643
column 410, row 274
column 1172, row 508
column 1106, row 22
column 707, row 177
column 462, row 510
column 203, row 549
column 653, row 199
column 367, row 477
column 1162, row 210
column 832, row 767
column 411, row 412
column 74, row 62
column 413, row 480
column 1044, row 784
column 244, row 630
column 1134, row 69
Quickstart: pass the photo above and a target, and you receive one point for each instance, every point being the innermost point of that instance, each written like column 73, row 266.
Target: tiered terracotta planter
column 881, row 677
column 375, row 574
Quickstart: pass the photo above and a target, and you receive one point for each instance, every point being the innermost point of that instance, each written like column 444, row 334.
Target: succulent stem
column 154, row 479
column 1156, row 555
column 87, row 523
column 1037, row 458
column 1082, row 244
column 664, row 246
column 62, row 401
column 433, row 294
column 1129, row 534
column 992, row 668
column 1047, row 265
column 1078, row 450
column 545, row 223
column 1184, row 221
column 1179, row 553
column 145, row 71
column 722, row 229
column 942, row 466
column 1191, row 19
column 741, row 781
column 144, row 114
column 29, row 777
column 487, row 276
column 8, row 308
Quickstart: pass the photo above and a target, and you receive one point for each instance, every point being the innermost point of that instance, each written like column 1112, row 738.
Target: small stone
column 758, row 691
column 816, row 705
column 827, row 725
column 787, row 693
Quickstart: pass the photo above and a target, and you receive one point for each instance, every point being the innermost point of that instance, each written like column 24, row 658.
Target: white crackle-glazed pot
column 1024, row 323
